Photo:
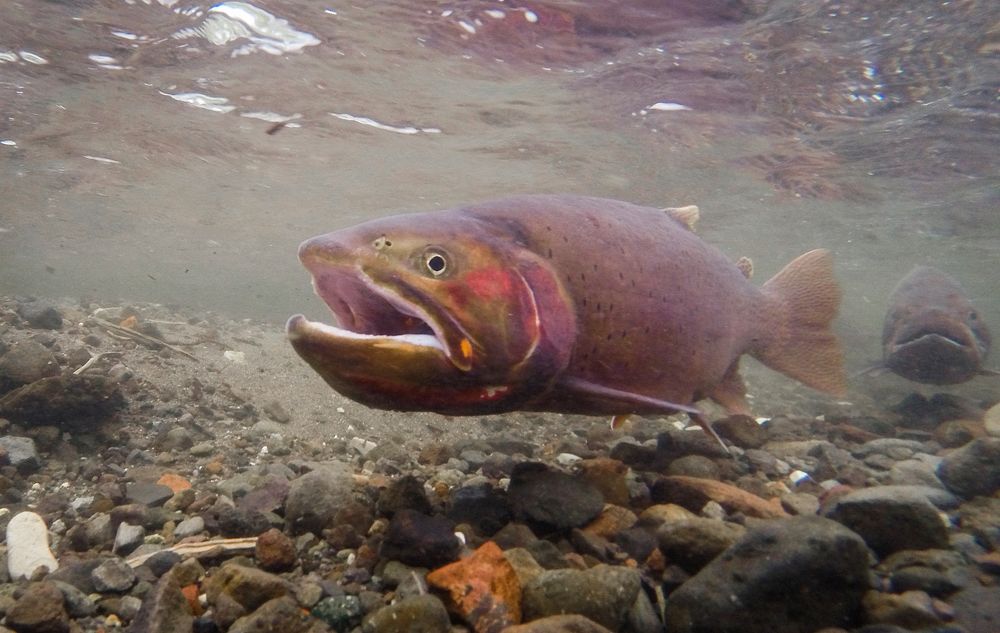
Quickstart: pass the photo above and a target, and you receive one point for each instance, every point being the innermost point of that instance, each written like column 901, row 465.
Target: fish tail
column 805, row 297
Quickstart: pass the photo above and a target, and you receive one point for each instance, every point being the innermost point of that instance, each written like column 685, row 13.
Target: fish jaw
column 404, row 372
column 934, row 348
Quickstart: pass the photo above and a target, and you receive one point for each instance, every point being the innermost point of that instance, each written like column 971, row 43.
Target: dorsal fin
column 745, row 264
column 688, row 216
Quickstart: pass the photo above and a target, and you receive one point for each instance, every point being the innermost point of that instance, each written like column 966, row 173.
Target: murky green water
column 144, row 156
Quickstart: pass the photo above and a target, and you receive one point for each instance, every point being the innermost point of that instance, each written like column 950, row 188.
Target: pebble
column 28, row 546
column 40, row 314
column 274, row 551
column 802, row 573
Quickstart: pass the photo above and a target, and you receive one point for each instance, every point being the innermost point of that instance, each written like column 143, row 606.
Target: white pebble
column 28, row 546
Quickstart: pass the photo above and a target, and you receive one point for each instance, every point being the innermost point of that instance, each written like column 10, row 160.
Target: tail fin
column 806, row 296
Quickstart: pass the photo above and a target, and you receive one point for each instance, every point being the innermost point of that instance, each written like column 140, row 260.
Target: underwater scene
column 553, row 316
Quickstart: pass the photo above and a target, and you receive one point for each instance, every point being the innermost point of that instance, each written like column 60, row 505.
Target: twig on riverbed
column 140, row 336
column 93, row 359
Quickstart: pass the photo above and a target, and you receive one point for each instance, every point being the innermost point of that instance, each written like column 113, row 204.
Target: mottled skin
column 932, row 332
column 556, row 303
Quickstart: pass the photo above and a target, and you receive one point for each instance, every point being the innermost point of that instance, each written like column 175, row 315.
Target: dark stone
column 268, row 497
column 889, row 520
column 637, row 542
column 784, row 576
column 637, row 456
column 551, row 501
column 482, row 506
column 974, row 469
column 673, row 444
column 147, row 493
column 162, row 562
column 280, row 614
column 164, row 610
column 420, row 540
column 68, row 401
column 41, row 315
column 405, row 493
column 235, row 523
column 78, row 574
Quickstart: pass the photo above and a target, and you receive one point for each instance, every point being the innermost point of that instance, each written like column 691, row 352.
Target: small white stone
column 567, row 459
column 28, row 546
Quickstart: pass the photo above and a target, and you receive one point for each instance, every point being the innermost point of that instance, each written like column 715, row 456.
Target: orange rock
column 191, row 595
column 693, row 493
column 482, row 589
column 175, row 482
column 214, row 467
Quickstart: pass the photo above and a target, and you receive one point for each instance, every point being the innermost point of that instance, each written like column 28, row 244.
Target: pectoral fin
column 627, row 399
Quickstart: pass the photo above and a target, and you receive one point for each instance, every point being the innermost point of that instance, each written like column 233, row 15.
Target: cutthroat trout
column 932, row 332
column 556, row 303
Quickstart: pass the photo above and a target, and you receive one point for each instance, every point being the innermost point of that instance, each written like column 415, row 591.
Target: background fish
column 932, row 333
column 556, row 303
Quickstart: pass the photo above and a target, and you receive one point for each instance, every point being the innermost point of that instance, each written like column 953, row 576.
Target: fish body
column 932, row 333
column 556, row 303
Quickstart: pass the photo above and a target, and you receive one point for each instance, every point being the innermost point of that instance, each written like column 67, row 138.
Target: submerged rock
column 28, row 546
column 974, row 469
column 799, row 574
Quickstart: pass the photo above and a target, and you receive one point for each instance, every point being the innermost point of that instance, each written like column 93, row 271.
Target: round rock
column 798, row 574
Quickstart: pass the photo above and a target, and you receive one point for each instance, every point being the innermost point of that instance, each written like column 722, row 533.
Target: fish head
column 933, row 334
column 435, row 311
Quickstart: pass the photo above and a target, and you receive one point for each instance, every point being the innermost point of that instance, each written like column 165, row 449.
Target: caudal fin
column 805, row 296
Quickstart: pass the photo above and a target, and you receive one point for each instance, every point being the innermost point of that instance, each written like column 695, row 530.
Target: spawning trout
column 556, row 303
column 932, row 332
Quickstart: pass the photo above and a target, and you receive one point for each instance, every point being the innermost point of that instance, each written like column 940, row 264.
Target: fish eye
column 435, row 262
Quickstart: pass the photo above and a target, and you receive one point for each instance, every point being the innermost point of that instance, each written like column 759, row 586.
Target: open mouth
column 363, row 310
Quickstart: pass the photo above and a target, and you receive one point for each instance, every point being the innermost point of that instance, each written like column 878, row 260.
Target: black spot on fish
column 609, row 336
column 598, row 306
column 611, row 308
column 583, row 277
column 550, row 253
column 584, row 302
column 624, row 333
column 621, row 276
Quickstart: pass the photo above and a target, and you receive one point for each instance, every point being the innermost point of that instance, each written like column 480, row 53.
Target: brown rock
column 275, row 551
column 612, row 520
column 741, row 430
column 559, row 624
column 955, row 433
column 247, row 586
column 664, row 513
column 39, row 610
column 482, row 589
column 693, row 494
column 608, row 476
